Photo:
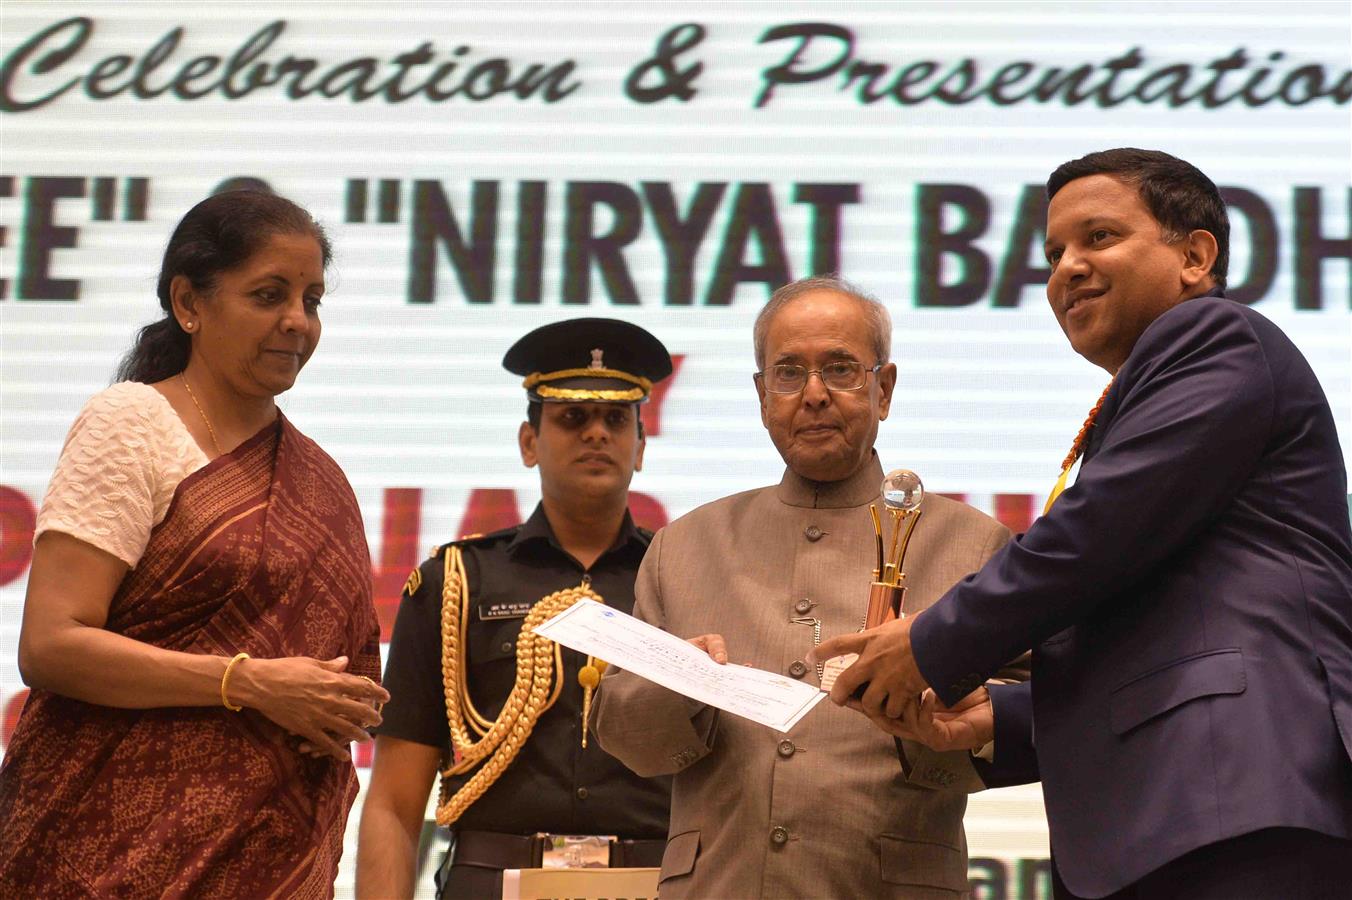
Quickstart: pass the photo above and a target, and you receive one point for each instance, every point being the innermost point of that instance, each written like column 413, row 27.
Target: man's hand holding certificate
column 765, row 697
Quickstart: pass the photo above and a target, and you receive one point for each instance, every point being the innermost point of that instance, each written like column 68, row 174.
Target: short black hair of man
column 1176, row 192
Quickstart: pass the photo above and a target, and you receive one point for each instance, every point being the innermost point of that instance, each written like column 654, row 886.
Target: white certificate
column 664, row 659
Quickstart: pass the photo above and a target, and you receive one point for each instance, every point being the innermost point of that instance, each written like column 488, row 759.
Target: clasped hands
column 318, row 701
column 895, row 696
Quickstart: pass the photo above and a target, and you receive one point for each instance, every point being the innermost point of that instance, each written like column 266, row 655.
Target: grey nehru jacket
column 826, row 810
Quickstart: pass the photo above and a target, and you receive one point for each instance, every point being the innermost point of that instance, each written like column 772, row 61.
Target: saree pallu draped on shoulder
column 262, row 552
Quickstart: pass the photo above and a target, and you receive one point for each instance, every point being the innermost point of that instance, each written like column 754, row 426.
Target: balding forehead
column 857, row 308
column 872, row 312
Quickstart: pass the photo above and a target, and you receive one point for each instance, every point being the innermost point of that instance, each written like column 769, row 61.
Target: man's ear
column 887, row 381
column 764, row 398
column 1199, row 255
column 638, row 458
column 526, row 438
column 183, row 300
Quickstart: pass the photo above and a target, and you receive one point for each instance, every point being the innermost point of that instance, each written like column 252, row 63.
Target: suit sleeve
column 652, row 730
column 1015, row 760
column 958, row 770
column 1194, row 412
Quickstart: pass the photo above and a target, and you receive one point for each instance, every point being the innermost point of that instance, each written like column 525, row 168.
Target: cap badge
column 596, row 360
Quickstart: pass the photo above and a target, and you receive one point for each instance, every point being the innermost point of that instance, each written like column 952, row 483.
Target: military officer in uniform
column 465, row 684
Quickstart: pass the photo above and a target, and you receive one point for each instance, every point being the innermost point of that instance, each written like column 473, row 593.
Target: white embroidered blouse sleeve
column 122, row 460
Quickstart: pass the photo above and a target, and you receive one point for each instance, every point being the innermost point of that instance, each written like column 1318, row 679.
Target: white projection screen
column 486, row 168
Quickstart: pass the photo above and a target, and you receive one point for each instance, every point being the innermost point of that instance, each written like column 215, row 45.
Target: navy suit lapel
column 1102, row 422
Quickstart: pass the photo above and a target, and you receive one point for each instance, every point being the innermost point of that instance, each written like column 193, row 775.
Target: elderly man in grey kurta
column 827, row 810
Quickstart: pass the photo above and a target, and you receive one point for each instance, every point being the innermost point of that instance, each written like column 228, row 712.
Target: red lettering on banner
column 18, row 518
column 1015, row 511
column 489, row 509
column 13, row 706
column 399, row 554
column 651, row 412
column 647, row 510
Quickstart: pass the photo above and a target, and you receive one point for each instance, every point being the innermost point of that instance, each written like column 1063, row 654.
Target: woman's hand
column 314, row 699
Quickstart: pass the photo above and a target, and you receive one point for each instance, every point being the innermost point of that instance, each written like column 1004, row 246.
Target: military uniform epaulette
column 415, row 577
column 484, row 538
column 471, row 539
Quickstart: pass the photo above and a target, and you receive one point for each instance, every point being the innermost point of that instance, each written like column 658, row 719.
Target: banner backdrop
column 486, row 168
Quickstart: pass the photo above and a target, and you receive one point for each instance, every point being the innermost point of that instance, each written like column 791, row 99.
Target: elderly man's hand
column 885, row 664
column 713, row 645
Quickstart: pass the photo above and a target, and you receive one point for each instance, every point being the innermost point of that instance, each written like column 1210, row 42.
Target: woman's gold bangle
column 225, row 682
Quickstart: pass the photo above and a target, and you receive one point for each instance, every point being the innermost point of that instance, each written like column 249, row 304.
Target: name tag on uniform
column 512, row 609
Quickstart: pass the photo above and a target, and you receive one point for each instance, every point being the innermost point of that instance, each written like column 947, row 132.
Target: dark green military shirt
column 553, row 784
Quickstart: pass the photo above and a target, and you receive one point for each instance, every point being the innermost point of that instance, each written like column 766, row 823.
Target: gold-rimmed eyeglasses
column 844, row 375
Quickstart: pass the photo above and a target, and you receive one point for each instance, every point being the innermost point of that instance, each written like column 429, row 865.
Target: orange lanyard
column 1076, row 449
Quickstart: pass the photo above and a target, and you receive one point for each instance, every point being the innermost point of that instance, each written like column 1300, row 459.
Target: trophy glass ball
column 903, row 490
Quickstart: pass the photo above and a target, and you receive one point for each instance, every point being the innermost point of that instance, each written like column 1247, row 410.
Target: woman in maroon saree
column 153, row 759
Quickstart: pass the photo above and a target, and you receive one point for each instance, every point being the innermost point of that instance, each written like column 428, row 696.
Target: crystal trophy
column 903, row 492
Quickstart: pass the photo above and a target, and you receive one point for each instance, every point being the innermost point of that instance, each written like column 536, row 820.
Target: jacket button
column 506, row 647
column 582, row 793
column 779, row 835
column 803, row 606
column 813, row 533
column 798, row 668
column 786, row 749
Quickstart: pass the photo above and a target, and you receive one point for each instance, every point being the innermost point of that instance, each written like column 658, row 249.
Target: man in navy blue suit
column 1188, row 599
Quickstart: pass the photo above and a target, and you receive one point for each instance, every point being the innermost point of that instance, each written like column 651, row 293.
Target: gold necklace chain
column 212, row 431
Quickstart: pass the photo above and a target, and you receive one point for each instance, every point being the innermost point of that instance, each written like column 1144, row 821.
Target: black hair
column 216, row 235
column 1176, row 192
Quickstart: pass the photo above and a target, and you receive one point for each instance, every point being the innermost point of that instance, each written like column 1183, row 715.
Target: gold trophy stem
column 878, row 536
column 897, row 515
column 887, row 593
column 900, row 554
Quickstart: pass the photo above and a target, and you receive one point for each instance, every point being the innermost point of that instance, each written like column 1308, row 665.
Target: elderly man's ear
column 887, row 380
column 760, row 393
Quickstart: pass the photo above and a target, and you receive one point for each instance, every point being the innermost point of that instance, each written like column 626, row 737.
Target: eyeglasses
column 845, row 375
